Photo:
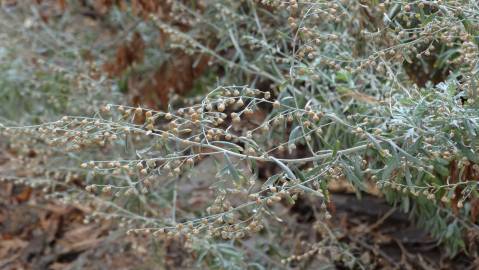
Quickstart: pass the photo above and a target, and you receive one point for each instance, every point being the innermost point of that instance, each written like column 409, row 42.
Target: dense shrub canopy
column 280, row 99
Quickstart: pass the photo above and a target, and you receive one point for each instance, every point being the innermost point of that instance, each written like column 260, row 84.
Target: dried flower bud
column 276, row 104
column 221, row 107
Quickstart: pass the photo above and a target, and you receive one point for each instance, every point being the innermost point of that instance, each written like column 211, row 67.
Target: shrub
column 376, row 93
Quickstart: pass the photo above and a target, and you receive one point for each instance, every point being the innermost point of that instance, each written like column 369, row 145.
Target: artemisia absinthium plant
column 363, row 91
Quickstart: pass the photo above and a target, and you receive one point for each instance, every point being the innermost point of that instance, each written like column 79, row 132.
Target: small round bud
column 276, row 104
column 106, row 189
column 221, row 107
